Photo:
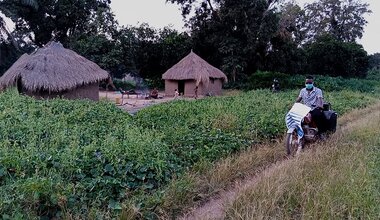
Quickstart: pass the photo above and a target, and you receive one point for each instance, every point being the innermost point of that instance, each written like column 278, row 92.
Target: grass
column 339, row 180
column 208, row 179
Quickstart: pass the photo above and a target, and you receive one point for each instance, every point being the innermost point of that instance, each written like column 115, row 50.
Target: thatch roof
column 54, row 69
column 194, row 67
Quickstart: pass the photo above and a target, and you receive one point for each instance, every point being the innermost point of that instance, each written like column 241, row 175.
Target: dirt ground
column 133, row 103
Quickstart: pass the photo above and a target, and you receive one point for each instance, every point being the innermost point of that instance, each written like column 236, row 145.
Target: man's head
column 309, row 82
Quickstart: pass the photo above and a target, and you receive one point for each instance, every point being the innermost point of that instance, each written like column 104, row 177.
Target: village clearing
column 133, row 103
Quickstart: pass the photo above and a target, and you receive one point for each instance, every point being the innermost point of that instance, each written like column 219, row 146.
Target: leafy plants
column 78, row 158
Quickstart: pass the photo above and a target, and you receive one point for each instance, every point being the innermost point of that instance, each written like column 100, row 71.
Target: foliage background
column 239, row 38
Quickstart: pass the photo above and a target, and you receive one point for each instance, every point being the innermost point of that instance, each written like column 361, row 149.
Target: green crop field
column 64, row 158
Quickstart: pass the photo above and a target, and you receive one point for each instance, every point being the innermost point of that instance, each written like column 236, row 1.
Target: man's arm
column 299, row 98
column 320, row 99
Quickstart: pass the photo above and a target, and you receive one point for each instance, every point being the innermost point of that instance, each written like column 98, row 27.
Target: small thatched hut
column 193, row 71
column 52, row 72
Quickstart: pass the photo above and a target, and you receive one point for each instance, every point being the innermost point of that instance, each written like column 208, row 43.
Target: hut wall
column 85, row 92
column 170, row 86
column 189, row 88
column 214, row 87
column 41, row 95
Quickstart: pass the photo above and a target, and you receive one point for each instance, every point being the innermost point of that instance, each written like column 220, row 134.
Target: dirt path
column 215, row 208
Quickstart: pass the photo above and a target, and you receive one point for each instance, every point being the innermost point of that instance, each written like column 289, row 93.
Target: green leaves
column 342, row 19
column 61, row 19
column 114, row 205
column 92, row 149
column 82, row 156
column 329, row 56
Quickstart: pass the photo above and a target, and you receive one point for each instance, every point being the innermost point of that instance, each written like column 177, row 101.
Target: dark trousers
column 320, row 120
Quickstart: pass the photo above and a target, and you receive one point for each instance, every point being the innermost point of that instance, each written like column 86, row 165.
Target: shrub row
column 264, row 80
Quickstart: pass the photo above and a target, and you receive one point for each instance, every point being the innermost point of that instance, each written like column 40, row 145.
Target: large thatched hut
column 52, row 72
column 193, row 71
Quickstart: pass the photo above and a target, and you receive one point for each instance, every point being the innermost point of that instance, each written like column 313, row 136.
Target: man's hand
column 319, row 103
column 298, row 99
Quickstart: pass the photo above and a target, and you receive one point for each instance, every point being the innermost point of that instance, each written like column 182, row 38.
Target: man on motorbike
column 313, row 97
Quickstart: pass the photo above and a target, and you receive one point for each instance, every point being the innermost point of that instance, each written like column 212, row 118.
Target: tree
column 58, row 19
column 232, row 35
column 292, row 23
column 158, row 50
column 374, row 61
column 4, row 32
column 11, row 47
column 374, row 67
column 175, row 46
column 285, row 54
column 342, row 19
column 329, row 56
column 202, row 8
column 99, row 49
column 128, row 42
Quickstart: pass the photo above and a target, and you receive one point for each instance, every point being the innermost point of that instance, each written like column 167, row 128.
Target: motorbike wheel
column 291, row 143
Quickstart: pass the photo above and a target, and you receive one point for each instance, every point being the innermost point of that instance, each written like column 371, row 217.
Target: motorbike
column 275, row 86
column 302, row 128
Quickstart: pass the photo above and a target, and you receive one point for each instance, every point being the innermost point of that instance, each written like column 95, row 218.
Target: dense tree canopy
column 328, row 56
column 343, row 19
column 50, row 19
column 139, row 50
column 239, row 37
column 374, row 61
column 233, row 35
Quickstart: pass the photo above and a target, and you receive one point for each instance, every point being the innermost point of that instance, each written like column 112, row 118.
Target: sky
column 159, row 14
column 156, row 13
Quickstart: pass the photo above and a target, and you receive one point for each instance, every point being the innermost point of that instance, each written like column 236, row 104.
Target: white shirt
column 310, row 98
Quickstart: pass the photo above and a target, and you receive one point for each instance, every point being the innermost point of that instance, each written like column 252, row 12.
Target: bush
column 124, row 85
column 264, row 80
column 339, row 83
column 155, row 83
column 373, row 74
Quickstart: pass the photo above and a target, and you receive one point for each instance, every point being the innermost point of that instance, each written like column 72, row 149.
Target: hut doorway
column 181, row 87
column 20, row 87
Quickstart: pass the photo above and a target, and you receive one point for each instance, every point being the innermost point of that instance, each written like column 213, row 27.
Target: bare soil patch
column 133, row 103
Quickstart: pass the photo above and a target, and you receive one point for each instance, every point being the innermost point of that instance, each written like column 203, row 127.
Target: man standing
column 196, row 92
column 313, row 97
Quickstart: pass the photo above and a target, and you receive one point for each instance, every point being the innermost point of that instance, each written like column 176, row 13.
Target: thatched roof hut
column 191, row 72
column 54, row 71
